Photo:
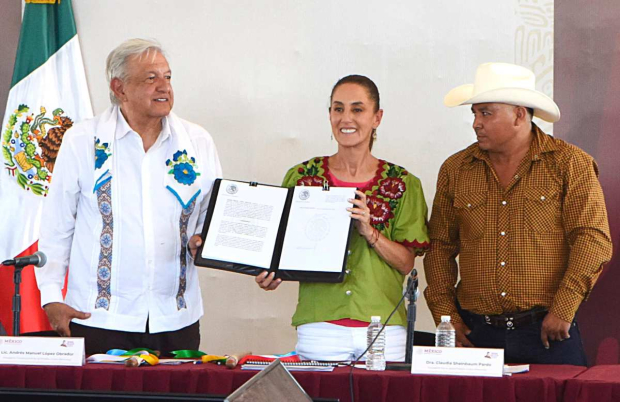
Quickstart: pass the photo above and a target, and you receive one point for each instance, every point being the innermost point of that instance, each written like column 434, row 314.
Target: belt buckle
column 510, row 323
column 487, row 320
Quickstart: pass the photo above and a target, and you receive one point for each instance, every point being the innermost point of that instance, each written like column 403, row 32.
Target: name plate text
column 41, row 351
column 457, row 361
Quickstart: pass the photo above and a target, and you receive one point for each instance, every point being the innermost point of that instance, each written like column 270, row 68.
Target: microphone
column 38, row 259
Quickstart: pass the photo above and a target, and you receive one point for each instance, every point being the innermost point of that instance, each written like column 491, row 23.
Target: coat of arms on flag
column 48, row 94
column 30, row 145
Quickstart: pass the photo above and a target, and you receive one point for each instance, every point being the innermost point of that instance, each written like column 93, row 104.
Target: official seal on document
column 232, row 189
column 317, row 228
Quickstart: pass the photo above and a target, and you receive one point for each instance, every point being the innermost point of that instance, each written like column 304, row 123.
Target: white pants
column 325, row 341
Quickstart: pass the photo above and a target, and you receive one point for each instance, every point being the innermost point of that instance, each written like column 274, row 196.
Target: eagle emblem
column 30, row 146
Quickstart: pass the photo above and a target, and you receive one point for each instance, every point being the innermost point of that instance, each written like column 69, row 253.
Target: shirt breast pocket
column 542, row 210
column 471, row 210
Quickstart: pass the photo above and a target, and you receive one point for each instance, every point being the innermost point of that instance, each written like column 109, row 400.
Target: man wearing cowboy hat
column 525, row 213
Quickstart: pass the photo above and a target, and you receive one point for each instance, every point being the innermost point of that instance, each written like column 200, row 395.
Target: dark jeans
column 99, row 340
column 523, row 344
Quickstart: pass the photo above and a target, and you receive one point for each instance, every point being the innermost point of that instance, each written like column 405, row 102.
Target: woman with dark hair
column 390, row 222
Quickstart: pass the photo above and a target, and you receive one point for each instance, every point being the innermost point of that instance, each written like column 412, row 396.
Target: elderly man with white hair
column 131, row 188
column 525, row 214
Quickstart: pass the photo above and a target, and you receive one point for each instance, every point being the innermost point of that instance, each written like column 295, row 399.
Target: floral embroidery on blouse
column 392, row 188
column 380, row 212
column 309, row 172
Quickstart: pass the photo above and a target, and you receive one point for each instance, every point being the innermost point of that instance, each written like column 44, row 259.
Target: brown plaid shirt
column 542, row 241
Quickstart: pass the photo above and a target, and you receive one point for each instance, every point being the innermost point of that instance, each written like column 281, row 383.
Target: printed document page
column 245, row 223
column 317, row 230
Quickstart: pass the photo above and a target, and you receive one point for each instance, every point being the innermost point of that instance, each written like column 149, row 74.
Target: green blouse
column 370, row 287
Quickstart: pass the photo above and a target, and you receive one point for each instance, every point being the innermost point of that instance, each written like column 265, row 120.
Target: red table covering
column 542, row 383
column 598, row 383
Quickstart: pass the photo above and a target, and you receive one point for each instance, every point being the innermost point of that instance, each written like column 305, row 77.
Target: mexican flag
column 48, row 95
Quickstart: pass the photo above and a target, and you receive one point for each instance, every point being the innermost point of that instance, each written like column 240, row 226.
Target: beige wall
column 257, row 75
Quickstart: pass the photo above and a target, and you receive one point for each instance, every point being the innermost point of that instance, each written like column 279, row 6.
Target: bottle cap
column 375, row 318
column 445, row 318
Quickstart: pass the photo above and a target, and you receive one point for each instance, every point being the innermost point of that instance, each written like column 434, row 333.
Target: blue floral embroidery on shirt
column 105, row 208
column 183, row 221
column 183, row 168
column 103, row 273
column 102, row 303
column 106, row 240
column 102, row 153
column 104, row 268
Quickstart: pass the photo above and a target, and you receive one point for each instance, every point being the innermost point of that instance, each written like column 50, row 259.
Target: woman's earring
column 374, row 134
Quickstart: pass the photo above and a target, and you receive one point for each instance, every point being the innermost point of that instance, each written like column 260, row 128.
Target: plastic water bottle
column 446, row 335
column 375, row 359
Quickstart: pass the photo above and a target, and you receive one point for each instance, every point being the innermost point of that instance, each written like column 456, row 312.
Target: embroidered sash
column 181, row 179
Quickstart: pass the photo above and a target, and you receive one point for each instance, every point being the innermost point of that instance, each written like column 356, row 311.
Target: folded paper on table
column 105, row 358
column 135, row 359
column 516, row 369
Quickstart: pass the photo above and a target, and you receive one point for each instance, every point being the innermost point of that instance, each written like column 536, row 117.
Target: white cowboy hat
column 505, row 83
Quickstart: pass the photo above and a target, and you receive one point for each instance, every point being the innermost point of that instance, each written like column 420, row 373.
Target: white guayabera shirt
column 123, row 241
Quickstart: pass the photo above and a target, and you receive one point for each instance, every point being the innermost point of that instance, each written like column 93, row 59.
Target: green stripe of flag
column 45, row 29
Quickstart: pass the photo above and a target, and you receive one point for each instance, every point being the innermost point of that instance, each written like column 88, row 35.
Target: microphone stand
column 37, row 259
column 412, row 296
column 17, row 299
column 411, row 315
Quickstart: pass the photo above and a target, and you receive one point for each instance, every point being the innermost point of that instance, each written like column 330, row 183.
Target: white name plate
column 42, row 351
column 457, row 361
